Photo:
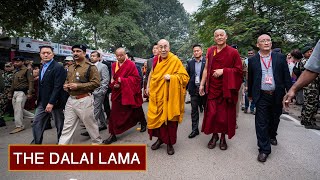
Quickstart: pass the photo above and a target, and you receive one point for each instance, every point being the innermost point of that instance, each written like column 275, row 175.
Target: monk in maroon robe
column 223, row 77
column 126, row 96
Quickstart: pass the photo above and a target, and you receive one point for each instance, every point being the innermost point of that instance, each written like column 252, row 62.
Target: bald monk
column 166, row 89
column 223, row 77
column 126, row 96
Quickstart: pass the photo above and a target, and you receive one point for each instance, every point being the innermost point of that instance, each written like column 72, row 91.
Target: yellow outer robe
column 166, row 99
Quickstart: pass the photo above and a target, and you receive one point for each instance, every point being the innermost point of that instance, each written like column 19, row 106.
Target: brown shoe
column 110, row 140
column 16, row 130
column 213, row 141
column 170, row 149
column 156, row 145
column 223, row 144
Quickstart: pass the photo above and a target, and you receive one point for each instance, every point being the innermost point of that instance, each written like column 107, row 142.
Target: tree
column 71, row 32
column 34, row 18
column 291, row 24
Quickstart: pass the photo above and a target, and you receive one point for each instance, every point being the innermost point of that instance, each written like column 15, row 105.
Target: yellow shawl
column 166, row 100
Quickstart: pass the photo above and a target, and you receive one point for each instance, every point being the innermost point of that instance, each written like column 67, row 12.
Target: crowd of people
column 78, row 92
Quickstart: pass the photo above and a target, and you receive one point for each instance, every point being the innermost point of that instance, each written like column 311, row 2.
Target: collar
column 96, row 63
column 48, row 63
column 79, row 63
column 201, row 58
column 264, row 56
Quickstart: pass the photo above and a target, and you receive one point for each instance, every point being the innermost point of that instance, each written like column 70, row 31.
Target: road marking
column 298, row 122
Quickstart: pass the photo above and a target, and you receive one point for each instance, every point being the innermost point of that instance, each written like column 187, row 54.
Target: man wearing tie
column 195, row 68
column 50, row 95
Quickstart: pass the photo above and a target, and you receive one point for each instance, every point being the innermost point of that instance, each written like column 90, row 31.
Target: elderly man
column 82, row 79
column 222, row 76
column 268, row 80
column 166, row 89
column 126, row 96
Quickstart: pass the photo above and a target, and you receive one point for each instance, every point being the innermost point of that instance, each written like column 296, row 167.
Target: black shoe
column 262, row 157
column 143, row 128
column 313, row 126
column 242, row 108
column 85, row 134
column 273, row 141
column 170, row 149
column 245, row 110
column 188, row 102
column 193, row 134
column 2, row 122
column 110, row 140
column 102, row 128
column 201, row 109
column 156, row 145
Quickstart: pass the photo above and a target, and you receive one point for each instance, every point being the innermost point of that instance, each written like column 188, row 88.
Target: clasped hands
column 217, row 73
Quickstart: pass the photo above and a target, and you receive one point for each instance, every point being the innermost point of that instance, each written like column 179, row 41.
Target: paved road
column 296, row 156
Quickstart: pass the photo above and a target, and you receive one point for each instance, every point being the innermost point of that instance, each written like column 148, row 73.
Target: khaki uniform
column 22, row 84
column 80, row 102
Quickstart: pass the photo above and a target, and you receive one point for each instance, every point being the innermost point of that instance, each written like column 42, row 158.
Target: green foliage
column 291, row 24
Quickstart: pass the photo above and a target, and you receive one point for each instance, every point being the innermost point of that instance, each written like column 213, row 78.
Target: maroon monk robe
column 126, row 100
column 220, row 116
column 167, row 133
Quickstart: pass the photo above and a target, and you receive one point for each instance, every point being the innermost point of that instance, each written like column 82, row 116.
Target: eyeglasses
column 265, row 40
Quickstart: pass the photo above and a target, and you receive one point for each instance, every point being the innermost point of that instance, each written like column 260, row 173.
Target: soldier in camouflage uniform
column 8, row 77
column 311, row 95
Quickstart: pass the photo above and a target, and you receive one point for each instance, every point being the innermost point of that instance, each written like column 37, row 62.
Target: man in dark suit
column 155, row 52
column 268, row 80
column 195, row 68
column 50, row 95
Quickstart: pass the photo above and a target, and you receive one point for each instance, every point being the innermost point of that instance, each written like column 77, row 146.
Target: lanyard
column 269, row 63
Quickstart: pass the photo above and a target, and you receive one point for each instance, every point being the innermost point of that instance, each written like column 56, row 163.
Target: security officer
column 21, row 89
column 83, row 77
column 310, row 96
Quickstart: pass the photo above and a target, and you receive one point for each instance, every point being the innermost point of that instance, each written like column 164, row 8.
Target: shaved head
column 164, row 48
column 121, row 50
column 121, row 55
column 220, row 37
column 163, row 41
column 220, row 31
column 263, row 36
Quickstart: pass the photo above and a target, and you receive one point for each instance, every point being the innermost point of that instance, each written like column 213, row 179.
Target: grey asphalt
column 296, row 156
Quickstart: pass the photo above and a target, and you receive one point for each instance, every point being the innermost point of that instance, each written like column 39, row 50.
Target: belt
column 80, row 96
column 268, row 92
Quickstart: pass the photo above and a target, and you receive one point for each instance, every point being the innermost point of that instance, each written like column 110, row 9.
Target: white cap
column 69, row 58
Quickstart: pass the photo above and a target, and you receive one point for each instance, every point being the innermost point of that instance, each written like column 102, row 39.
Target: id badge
column 197, row 80
column 268, row 79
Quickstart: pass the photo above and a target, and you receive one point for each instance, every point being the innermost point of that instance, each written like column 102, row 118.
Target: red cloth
column 166, row 133
column 220, row 116
column 126, row 100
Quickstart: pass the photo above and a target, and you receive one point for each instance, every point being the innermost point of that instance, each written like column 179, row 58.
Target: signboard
column 65, row 50
column 32, row 45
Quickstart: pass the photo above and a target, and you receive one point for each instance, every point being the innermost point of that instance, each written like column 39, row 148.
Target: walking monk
column 223, row 75
column 166, row 89
column 126, row 96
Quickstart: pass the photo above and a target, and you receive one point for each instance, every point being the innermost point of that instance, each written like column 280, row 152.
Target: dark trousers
column 246, row 101
column 106, row 106
column 267, row 121
column 41, row 119
column 196, row 102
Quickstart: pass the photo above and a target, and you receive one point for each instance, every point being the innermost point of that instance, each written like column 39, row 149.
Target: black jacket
column 192, row 73
column 51, row 86
column 281, row 76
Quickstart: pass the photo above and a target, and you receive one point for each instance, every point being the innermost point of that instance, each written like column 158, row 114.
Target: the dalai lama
column 223, row 76
column 166, row 88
